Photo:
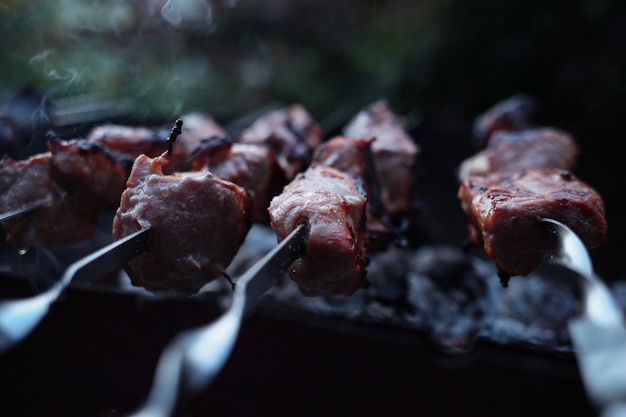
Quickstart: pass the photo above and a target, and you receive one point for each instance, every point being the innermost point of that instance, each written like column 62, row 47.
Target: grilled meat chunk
column 199, row 222
column 395, row 154
column 510, row 151
column 504, row 209
column 132, row 141
column 129, row 140
column 88, row 171
column 291, row 133
column 354, row 156
column 513, row 113
column 332, row 203
column 74, row 181
column 253, row 166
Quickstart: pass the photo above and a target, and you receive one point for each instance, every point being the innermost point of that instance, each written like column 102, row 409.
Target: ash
column 455, row 298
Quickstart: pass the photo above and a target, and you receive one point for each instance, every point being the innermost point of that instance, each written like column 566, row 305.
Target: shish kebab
column 312, row 169
column 195, row 356
column 151, row 169
column 525, row 172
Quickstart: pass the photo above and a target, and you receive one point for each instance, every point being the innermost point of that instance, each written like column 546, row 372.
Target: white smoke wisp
column 43, row 64
column 191, row 14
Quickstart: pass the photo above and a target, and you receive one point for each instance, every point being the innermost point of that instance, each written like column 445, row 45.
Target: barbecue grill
column 95, row 353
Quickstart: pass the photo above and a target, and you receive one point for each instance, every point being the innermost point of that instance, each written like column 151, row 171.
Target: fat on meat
column 504, row 208
column 199, row 221
column 332, row 203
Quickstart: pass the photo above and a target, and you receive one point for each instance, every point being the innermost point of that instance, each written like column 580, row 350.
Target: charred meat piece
column 291, row 133
column 510, row 151
column 395, row 154
column 354, row 156
column 332, row 203
column 132, row 141
column 504, row 210
column 249, row 165
column 199, row 221
column 74, row 181
column 510, row 114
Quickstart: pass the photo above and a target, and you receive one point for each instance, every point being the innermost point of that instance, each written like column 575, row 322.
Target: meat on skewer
column 504, row 209
column 395, row 154
column 510, row 151
column 354, row 156
column 333, row 204
column 290, row 132
column 132, row 141
column 252, row 166
column 73, row 182
column 511, row 114
column 199, row 221
column 524, row 174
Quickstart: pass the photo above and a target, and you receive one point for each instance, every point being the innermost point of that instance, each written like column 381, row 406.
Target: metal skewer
column 19, row 317
column 23, row 210
column 194, row 358
column 598, row 332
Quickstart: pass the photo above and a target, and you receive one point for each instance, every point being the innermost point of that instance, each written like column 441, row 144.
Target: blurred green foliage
column 446, row 60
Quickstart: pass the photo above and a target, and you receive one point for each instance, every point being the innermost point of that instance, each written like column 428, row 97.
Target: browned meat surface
column 504, row 209
column 133, row 141
column 333, row 205
column 395, row 153
column 510, row 151
column 199, row 222
column 197, row 127
column 129, row 140
column 76, row 179
column 88, row 171
column 354, row 156
column 510, row 114
column 291, row 133
column 252, row 166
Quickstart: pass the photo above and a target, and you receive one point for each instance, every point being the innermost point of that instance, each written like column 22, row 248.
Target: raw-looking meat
column 333, row 205
column 504, row 209
column 253, row 166
column 291, row 133
column 199, row 221
column 73, row 182
column 395, row 154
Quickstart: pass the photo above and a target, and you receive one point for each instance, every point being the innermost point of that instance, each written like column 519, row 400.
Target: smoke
column 43, row 64
column 188, row 13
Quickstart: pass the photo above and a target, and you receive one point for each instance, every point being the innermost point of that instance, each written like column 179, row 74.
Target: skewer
column 22, row 210
column 19, row 317
column 598, row 332
column 193, row 359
